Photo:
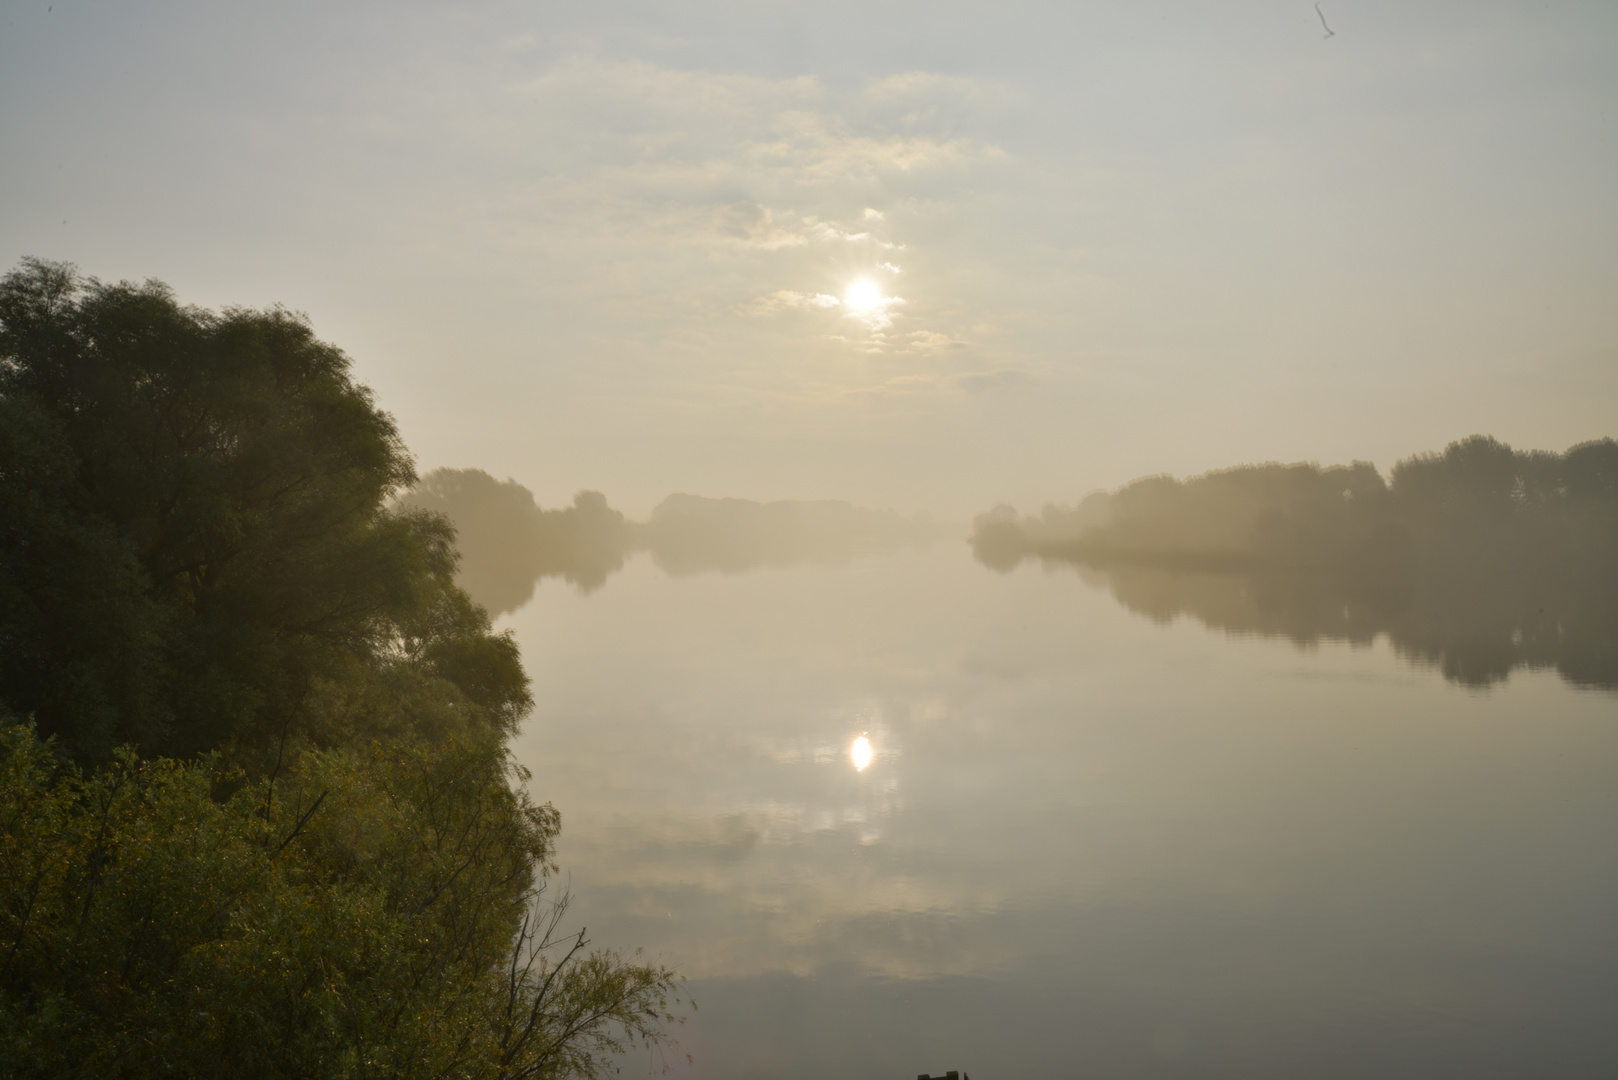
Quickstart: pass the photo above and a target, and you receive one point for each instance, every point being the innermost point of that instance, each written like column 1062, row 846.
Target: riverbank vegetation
column 518, row 543
column 1476, row 560
column 258, row 813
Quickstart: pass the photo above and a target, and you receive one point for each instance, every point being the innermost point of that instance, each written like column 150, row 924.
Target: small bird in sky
column 1330, row 33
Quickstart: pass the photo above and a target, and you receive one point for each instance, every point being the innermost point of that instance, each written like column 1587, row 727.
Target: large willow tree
column 257, row 805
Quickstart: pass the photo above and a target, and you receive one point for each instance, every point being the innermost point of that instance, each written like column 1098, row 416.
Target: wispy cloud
column 932, row 341
column 898, row 385
column 683, row 198
column 754, row 226
column 783, row 300
column 683, row 132
column 985, row 382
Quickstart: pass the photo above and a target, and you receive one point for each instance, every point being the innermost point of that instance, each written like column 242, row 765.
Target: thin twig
column 298, row 828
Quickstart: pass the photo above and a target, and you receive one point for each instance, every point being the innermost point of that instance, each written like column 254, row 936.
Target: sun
column 863, row 295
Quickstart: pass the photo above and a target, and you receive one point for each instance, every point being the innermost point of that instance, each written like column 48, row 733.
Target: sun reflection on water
column 861, row 753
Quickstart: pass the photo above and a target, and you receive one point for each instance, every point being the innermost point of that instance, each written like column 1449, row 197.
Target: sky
column 931, row 256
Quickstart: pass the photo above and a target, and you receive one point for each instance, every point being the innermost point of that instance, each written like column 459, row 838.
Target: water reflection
column 1477, row 561
column 861, row 753
column 1083, row 844
column 509, row 544
column 1476, row 631
column 1105, row 848
column 689, row 534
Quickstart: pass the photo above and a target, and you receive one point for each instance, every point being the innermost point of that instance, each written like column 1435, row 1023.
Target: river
column 1086, row 843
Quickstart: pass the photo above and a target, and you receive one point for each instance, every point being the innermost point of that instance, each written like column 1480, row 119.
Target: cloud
column 898, row 385
column 826, row 231
column 650, row 126
column 783, row 300
column 929, row 90
column 663, row 189
column 753, row 226
column 669, row 201
column 984, row 382
column 933, row 341
column 878, row 314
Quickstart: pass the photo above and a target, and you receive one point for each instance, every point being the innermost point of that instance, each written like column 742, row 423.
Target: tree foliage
column 217, row 484
column 1478, row 502
column 1476, row 560
column 257, row 815
column 380, row 916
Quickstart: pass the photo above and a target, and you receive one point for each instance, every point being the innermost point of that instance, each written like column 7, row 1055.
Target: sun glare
column 861, row 753
column 863, row 295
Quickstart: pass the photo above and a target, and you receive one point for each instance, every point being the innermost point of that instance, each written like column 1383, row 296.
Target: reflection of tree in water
column 508, row 543
column 1475, row 632
column 1477, row 561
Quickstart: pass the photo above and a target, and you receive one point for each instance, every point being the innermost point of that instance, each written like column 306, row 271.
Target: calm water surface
column 1086, row 845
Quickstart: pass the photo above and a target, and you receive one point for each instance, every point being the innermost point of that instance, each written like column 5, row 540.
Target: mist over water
column 1476, row 562
column 895, row 801
column 1087, row 843
column 509, row 543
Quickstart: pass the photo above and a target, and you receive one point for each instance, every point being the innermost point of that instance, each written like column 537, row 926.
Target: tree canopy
column 1477, row 559
column 380, row 919
column 1478, row 501
column 511, row 543
column 196, row 522
column 257, row 814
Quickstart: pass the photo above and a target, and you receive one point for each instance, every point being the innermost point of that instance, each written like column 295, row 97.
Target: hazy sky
column 617, row 245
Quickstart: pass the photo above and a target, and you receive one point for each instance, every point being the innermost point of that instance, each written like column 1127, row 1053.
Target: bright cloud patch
column 932, row 341
column 865, row 302
column 787, row 300
column 679, row 199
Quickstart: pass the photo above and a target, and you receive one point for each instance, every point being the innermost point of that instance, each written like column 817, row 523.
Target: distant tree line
column 511, row 543
column 256, row 810
column 1478, row 559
